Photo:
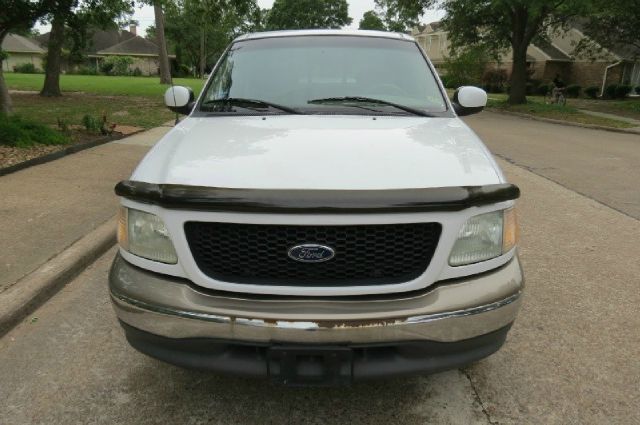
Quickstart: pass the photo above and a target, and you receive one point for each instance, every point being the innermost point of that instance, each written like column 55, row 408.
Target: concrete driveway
column 571, row 358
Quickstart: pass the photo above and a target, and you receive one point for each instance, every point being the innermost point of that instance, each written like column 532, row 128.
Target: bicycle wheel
column 562, row 101
column 548, row 99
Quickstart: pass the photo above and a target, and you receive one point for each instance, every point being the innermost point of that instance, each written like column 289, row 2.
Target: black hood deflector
column 316, row 201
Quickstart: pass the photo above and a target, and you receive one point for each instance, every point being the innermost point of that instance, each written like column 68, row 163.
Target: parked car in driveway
column 320, row 216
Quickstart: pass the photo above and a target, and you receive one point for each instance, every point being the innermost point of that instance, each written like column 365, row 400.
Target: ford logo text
column 311, row 253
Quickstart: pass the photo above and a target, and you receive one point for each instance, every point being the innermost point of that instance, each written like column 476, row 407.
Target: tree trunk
column 6, row 106
column 202, row 53
column 518, row 82
column 54, row 55
column 163, row 56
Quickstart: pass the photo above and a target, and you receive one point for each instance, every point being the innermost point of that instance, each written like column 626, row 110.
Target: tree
column 198, row 46
column 466, row 67
column 163, row 55
column 402, row 15
column 17, row 16
column 73, row 18
column 613, row 23
column 497, row 25
column 371, row 21
column 307, row 14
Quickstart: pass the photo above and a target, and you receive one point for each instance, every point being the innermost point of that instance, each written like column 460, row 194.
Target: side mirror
column 179, row 99
column 469, row 100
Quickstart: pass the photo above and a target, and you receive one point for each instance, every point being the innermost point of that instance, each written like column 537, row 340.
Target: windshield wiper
column 360, row 99
column 242, row 102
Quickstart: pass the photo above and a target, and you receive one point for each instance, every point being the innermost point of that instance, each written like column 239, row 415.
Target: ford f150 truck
column 320, row 216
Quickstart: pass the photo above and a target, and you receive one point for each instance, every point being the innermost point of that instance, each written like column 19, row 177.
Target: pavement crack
column 476, row 396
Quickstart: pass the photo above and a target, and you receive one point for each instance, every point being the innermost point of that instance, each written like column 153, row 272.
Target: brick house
column 102, row 44
column 620, row 66
column 21, row 50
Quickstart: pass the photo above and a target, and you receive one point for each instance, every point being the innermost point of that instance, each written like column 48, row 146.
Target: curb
column 560, row 122
column 33, row 290
column 62, row 153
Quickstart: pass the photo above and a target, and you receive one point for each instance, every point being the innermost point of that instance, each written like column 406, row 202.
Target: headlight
column 484, row 237
column 145, row 235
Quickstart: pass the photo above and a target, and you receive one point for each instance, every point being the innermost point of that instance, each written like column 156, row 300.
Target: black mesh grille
column 364, row 254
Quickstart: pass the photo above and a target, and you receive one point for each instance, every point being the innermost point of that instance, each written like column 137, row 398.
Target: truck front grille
column 364, row 254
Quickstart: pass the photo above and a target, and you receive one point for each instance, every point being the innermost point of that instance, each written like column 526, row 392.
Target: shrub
column 622, row 91
column 466, row 68
column 447, row 82
column 529, row 89
column 86, row 70
column 573, row 90
column 91, row 123
column 18, row 132
column 544, row 89
column 638, row 90
column 26, row 68
column 137, row 72
column 106, row 67
column 180, row 70
column 116, row 65
column 97, row 125
column 592, row 92
column 610, row 91
column 493, row 80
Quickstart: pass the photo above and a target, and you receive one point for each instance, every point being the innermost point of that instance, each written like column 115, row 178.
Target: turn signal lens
column 123, row 234
column 510, row 231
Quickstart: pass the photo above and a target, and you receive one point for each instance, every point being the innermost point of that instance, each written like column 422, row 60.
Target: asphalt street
column 602, row 165
column 571, row 358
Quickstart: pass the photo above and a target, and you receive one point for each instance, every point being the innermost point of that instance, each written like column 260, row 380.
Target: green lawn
column 135, row 101
column 535, row 106
column 135, row 111
column 102, row 85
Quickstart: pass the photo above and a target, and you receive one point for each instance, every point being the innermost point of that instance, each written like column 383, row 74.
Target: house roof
column 621, row 51
column 14, row 43
column 435, row 26
column 136, row 46
column 553, row 52
column 100, row 39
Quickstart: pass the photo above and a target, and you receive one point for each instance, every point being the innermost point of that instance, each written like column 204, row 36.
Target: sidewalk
column 635, row 123
column 46, row 208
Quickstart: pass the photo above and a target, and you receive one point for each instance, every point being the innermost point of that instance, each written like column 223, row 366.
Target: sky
column 144, row 15
column 357, row 8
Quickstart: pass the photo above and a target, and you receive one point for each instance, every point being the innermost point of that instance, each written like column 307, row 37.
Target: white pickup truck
column 321, row 216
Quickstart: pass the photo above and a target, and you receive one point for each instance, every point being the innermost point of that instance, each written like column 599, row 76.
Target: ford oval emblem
column 311, row 253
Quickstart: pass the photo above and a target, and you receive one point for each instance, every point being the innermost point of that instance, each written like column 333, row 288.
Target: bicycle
column 555, row 96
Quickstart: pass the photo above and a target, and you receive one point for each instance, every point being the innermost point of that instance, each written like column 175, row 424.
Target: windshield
column 332, row 74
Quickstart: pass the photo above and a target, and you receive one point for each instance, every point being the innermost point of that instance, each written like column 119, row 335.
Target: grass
column 134, row 101
column 536, row 107
column 628, row 108
column 145, row 112
column 101, row 84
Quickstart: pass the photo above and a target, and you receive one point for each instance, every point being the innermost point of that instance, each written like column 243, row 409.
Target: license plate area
column 305, row 366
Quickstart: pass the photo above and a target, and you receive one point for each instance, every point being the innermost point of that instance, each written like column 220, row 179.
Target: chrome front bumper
column 451, row 311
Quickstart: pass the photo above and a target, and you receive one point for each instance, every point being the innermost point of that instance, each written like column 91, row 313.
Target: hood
column 319, row 152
